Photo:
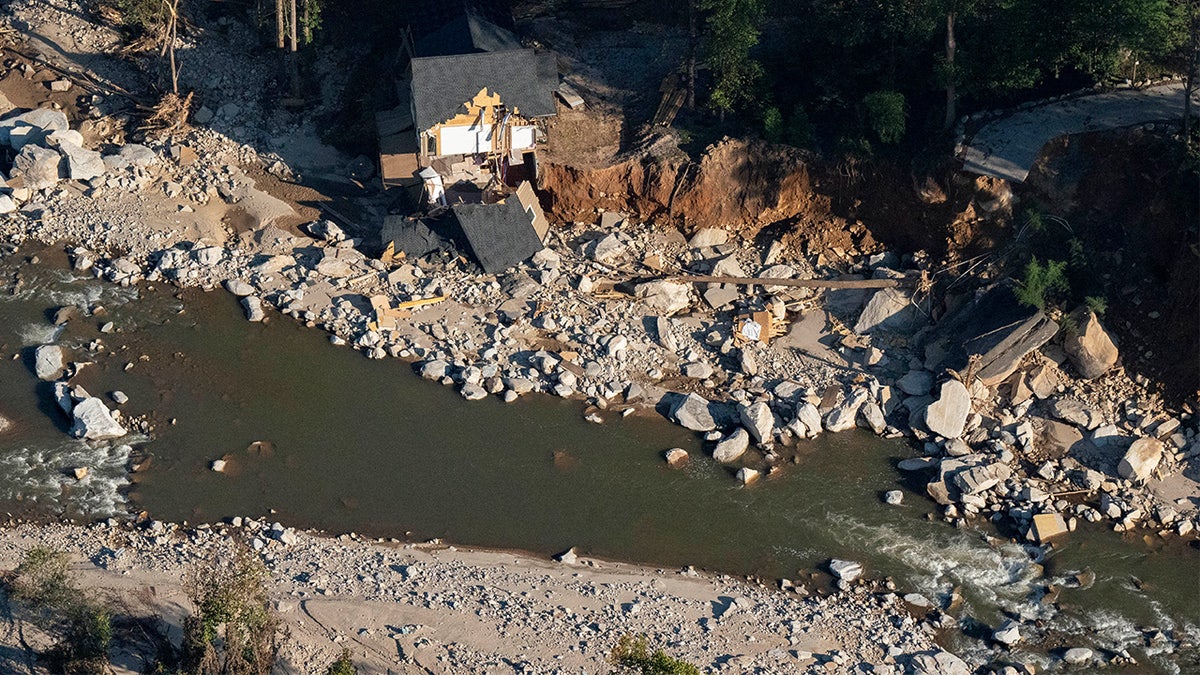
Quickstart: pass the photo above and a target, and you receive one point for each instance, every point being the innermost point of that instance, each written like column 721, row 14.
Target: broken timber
column 799, row 283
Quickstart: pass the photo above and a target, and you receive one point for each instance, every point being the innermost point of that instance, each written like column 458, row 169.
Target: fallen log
column 800, row 283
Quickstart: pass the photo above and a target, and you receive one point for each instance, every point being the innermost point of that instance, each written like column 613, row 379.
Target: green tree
column 886, row 113
column 1042, row 283
column 343, row 665
column 732, row 31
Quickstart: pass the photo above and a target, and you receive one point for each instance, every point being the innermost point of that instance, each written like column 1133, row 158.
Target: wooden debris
column 388, row 317
column 757, row 327
column 801, row 283
column 569, row 96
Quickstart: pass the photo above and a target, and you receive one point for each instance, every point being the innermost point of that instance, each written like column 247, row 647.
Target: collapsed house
column 470, row 98
column 497, row 235
column 466, row 133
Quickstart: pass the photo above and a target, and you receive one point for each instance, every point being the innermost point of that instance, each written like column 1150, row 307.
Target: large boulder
column 1091, row 349
column 758, row 420
column 937, row 663
column 48, row 362
column 846, row 570
column 664, row 297
column 733, row 446
column 691, row 412
column 808, row 420
column 81, row 164
column 948, row 414
column 845, row 416
column 1141, row 459
column 888, row 309
column 94, row 421
column 916, row 382
column 708, row 236
column 38, row 166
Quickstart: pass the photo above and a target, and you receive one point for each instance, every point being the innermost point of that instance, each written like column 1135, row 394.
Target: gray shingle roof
column 500, row 235
column 441, row 85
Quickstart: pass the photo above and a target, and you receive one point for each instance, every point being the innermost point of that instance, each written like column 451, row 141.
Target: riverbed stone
column 5, row 424
column 758, row 420
column 937, row 663
column 870, row 415
column 845, row 416
column 808, row 419
column 1141, row 459
column 48, row 362
column 846, row 570
column 1047, row 526
column 893, row 497
column 473, row 391
column 691, row 412
column 947, row 416
column 434, row 370
column 676, row 457
column 733, row 446
column 254, row 308
column 746, row 475
column 239, row 288
column 94, row 421
column 1008, row 634
column 1078, row 656
column 1091, row 349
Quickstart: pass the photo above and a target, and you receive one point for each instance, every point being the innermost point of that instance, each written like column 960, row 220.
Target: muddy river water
column 319, row 436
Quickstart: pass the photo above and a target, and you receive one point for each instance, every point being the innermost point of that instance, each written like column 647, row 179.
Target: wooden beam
column 799, row 283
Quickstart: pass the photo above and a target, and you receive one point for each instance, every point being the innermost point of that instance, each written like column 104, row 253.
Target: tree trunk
column 279, row 31
column 1193, row 64
column 293, row 64
column 951, row 92
column 693, row 39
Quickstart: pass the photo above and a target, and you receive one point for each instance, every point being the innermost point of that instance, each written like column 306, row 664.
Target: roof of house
column 442, row 85
column 500, row 235
column 466, row 33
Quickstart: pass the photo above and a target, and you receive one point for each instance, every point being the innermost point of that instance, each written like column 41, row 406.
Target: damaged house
column 466, row 131
column 470, row 97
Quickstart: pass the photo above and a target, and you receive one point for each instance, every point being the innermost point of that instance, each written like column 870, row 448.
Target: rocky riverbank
column 404, row 608
column 1039, row 430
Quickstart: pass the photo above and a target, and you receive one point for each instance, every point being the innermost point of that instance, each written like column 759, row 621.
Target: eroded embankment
column 750, row 185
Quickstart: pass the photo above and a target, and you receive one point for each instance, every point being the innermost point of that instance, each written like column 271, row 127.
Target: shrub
column 799, row 128
column 343, row 665
column 232, row 629
column 632, row 654
column 43, row 579
column 1042, row 283
column 1096, row 303
column 886, row 112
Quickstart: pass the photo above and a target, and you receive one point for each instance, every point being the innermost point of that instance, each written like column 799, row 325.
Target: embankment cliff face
column 750, row 185
column 735, row 184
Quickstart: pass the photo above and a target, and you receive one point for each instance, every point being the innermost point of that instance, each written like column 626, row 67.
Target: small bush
column 1042, row 283
column 632, row 654
column 43, row 579
column 343, row 665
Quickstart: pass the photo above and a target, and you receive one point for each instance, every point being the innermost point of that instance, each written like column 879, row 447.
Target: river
column 319, row 436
